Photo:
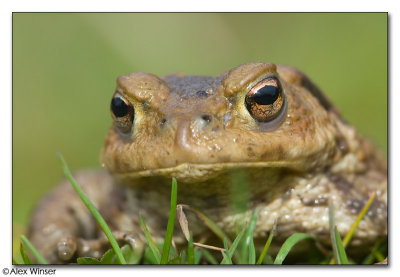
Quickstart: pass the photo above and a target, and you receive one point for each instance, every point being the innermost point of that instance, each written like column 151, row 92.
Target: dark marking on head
column 314, row 89
column 192, row 86
column 323, row 100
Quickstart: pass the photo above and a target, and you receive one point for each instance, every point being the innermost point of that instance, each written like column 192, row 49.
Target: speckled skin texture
column 198, row 130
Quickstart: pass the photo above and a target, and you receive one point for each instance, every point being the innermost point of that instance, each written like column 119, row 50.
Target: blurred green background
column 65, row 66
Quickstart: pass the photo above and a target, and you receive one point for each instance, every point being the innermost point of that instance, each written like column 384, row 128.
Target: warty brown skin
column 198, row 130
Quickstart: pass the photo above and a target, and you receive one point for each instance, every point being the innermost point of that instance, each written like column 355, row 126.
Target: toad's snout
column 197, row 130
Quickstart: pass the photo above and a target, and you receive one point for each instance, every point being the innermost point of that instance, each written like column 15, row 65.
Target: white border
column 7, row 7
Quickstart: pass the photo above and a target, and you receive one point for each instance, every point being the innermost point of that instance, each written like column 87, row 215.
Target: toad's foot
column 70, row 248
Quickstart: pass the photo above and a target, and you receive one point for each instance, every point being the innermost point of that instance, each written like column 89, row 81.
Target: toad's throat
column 213, row 182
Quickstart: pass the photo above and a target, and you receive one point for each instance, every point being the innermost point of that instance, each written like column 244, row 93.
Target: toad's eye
column 265, row 100
column 122, row 112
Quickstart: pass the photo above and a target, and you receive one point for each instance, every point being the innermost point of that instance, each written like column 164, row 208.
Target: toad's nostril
column 200, row 122
column 163, row 121
column 206, row 117
column 201, row 93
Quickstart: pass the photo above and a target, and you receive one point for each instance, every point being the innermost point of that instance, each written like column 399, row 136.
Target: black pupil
column 266, row 95
column 119, row 107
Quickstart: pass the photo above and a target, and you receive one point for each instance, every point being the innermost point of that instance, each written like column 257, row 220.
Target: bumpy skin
column 198, row 130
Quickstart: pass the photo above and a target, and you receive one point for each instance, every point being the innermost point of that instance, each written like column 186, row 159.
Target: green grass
column 241, row 251
column 92, row 210
column 170, row 226
column 337, row 245
column 289, row 244
column 33, row 250
column 266, row 247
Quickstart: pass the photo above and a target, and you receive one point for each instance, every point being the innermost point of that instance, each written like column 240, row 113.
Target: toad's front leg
column 62, row 227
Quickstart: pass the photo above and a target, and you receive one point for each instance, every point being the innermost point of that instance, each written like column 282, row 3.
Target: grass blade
column 88, row 261
column 176, row 260
column 190, row 250
column 252, row 253
column 266, row 247
column 226, row 259
column 149, row 257
column 288, row 244
column 24, row 256
column 360, row 216
column 332, row 233
column 153, row 247
column 341, row 258
column 239, row 191
column 92, row 210
column 235, row 244
column 33, row 250
column 384, row 261
column 378, row 255
column 185, row 226
column 183, row 256
column 248, row 238
column 198, row 255
column 209, row 223
column 337, row 246
column 372, row 256
column 131, row 256
column 226, row 244
column 209, row 246
column 170, row 225
column 210, row 258
column 353, row 228
column 183, row 222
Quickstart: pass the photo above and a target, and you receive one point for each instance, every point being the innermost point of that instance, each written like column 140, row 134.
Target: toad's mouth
column 197, row 173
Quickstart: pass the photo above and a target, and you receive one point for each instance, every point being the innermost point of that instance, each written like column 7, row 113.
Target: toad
column 265, row 124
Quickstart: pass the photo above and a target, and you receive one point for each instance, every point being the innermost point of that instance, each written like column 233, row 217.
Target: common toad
column 266, row 124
